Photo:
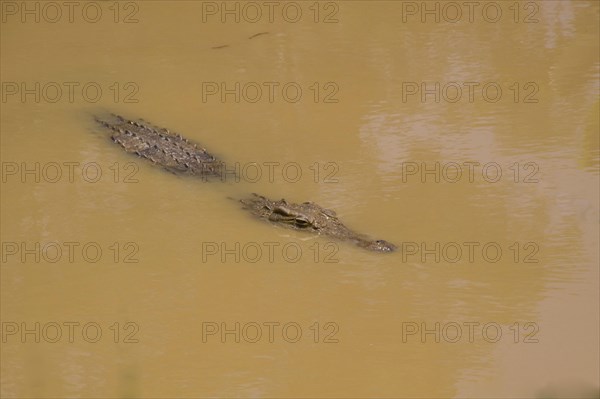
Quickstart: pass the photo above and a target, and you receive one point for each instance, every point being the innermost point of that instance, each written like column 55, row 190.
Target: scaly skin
column 161, row 146
column 311, row 217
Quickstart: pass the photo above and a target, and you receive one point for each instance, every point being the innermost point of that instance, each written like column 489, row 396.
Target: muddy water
column 472, row 145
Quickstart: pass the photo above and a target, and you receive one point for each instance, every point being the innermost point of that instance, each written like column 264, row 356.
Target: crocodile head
column 303, row 217
column 311, row 217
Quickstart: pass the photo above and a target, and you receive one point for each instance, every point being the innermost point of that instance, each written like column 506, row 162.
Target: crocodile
column 309, row 216
column 159, row 145
column 178, row 155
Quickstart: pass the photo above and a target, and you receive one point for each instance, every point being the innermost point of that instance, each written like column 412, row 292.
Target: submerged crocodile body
column 309, row 216
column 177, row 154
column 162, row 147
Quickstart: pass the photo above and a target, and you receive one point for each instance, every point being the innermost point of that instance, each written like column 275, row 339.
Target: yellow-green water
column 361, row 137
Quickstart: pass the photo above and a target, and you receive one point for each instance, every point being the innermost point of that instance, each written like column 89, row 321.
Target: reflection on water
column 394, row 152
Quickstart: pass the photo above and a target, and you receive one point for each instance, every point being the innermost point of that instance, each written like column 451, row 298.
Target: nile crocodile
column 162, row 147
column 309, row 216
column 177, row 154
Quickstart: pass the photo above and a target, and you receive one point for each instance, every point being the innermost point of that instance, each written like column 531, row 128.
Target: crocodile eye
column 302, row 223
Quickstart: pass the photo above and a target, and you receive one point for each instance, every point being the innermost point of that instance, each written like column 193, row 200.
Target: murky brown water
column 445, row 316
